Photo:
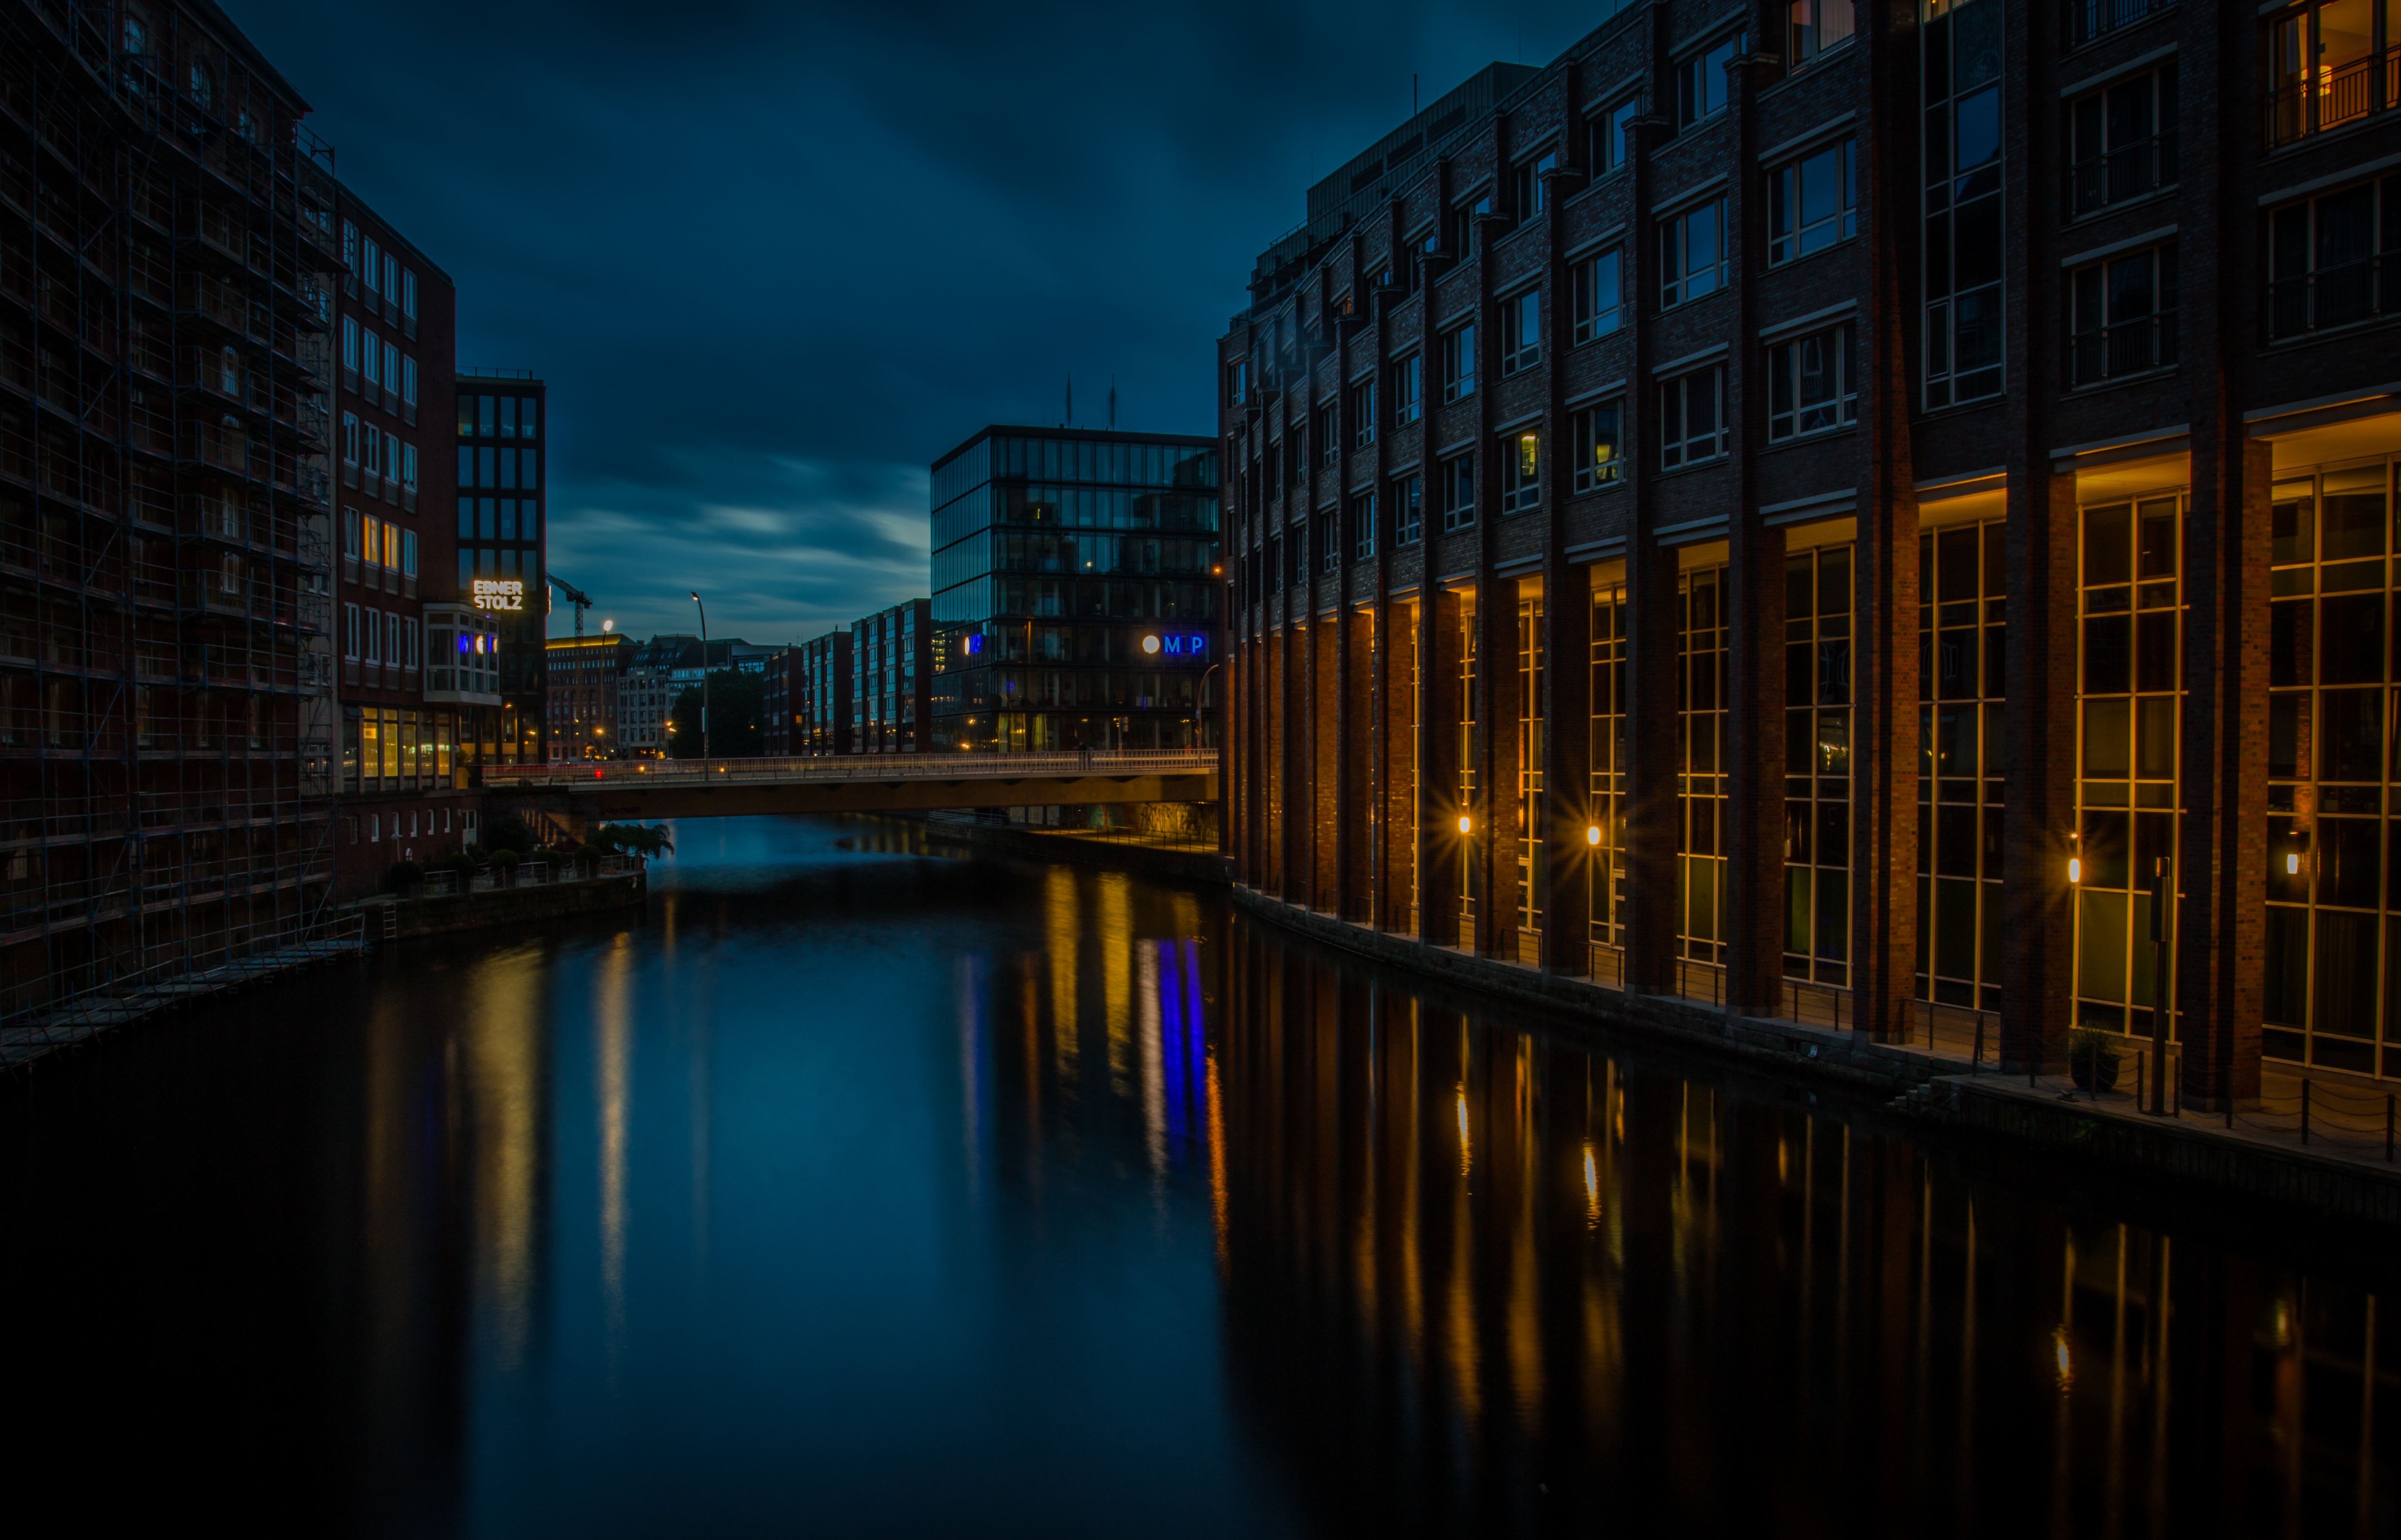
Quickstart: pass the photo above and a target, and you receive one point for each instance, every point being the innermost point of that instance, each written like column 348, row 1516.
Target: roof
column 1098, row 435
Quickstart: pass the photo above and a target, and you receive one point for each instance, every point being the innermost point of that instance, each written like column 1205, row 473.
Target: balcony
column 2122, row 174
column 2331, row 96
column 2343, row 294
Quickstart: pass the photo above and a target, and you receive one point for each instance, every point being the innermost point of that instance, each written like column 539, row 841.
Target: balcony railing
column 2092, row 19
column 2332, row 296
column 2131, row 347
column 2122, row 174
column 2331, row 98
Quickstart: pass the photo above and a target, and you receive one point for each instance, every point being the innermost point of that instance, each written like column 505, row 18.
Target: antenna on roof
column 1113, row 403
column 1070, row 414
column 1413, row 95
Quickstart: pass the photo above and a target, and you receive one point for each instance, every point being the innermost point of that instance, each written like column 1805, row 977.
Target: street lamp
column 704, row 676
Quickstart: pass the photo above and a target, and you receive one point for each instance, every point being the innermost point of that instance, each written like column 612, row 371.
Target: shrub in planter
column 403, row 877
column 504, row 864
column 2092, row 1059
column 587, row 851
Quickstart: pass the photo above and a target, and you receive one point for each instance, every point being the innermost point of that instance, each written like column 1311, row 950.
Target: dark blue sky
column 774, row 259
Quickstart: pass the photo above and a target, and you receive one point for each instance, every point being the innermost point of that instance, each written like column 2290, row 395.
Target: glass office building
column 1076, row 577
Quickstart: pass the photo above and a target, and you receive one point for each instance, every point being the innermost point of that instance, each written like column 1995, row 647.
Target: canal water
column 862, row 1189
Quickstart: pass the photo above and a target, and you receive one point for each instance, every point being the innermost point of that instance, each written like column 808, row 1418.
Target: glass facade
column 1608, row 750
column 1701, row 687
column 1818, row 765
column 1962, row 636
column 1075, row 580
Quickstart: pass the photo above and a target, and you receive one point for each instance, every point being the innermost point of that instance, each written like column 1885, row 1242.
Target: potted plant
column 2092, row 1059
column 405, row 878
column 504, row 867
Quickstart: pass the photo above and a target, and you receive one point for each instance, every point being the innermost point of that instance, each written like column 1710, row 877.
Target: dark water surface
column 860, row 1191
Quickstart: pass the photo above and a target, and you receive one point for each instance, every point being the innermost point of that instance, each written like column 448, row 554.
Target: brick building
column 582, row 676
column 167, row 241
column 821, row 694
column 1802, row 505
column 405, row 793
column 1075, row 590
column 893, row 666
column 782, row 686
column 646, row 693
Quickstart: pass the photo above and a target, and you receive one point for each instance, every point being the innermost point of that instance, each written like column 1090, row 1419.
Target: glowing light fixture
column 1592, row 835
column 1462, row 823
column 2075, row 870
column 2292, row 864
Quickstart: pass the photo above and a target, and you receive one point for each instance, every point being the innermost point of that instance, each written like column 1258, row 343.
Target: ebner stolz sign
column 1174, row 644
column 499, row 593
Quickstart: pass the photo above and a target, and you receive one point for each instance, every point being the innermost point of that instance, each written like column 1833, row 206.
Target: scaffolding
column 165, row 708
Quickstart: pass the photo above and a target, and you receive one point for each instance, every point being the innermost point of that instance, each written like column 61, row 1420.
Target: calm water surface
column 859, row 1189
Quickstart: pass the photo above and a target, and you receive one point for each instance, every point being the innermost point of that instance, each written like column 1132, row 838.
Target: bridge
column 626, row 790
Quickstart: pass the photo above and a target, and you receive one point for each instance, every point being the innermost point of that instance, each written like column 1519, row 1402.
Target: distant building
column 584, row 675
column 893, row 668
column 821, row 694
column 503, row 426
column 646, row 691
column 1075, row 590
column 775, row 702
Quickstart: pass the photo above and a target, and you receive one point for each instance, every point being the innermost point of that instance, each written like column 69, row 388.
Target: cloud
column 773, row 260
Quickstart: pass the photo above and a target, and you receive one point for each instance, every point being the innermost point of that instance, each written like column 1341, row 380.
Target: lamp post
column 704, row 678
column 1200, row 705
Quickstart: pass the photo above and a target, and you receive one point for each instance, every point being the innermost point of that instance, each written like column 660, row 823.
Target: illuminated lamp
column 1462, row 823
column 1592, row 835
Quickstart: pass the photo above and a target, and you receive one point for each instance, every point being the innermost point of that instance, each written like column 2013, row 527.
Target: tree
column 509, row 834
column 737, row 717
column 633, row 837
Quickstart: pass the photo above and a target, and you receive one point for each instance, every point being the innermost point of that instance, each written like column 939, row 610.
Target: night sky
column 774, row 259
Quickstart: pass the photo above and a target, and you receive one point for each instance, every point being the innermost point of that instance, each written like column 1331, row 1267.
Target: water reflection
column 858, row 1188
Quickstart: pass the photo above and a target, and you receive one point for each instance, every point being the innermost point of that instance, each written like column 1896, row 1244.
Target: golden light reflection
column 613, row 1054
column 1591, row 1189
column 1115, row 937
column 1466, row 1147
column 1062, row 939
column 1154, row 1078
column 504, row 1083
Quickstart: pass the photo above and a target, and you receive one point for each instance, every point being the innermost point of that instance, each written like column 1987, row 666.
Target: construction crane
column 574, row 595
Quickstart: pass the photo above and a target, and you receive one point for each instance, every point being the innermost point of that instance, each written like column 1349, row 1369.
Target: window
column 409, row 292
column 371, row 264
column 2325, row 259
column 1812, row 203
column 466, row 417
column 484, row 428
column 1691, row 253
column 1329, row 437
column 350, row 632
column 1534, row 192
column 1521, row 332
column 1328, row 524
column 1238, row 382
column 2123, row 318
column 1465, row 219
column 408, row 466
column 371, row 628
column 391, row 367
column 1692, row 418
column 1960, row 50
column 350, row 533
column 408, row 638
column 392, row 655
column 392, row 279
column 1409, row 389
column 1458, row 492
column 351, row 437
column 2320, row 67
column 349, row 344
column 1810, row 384
column 2091, row 19
column 1408, row 509
column 2122, row 142
column 1813, row 26
column 1363, row 525
column 1459, row 362
column 350, row 251
column 1363, row 414
column 1608, row 131
column 408, row 380
column 1701, row 81
column 508, row 417
column 409, row 552
column 1521, row 472
column 1600, row 288
column 371, row 359
column 1598, row 445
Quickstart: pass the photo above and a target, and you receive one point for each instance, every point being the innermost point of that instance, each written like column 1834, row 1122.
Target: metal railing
column 639, row 773
column 2128, row 171
column 2113, row 352
column 2332, row 296
column 2329, row 99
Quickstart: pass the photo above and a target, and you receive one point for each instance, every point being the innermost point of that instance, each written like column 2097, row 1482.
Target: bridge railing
column 634, row 774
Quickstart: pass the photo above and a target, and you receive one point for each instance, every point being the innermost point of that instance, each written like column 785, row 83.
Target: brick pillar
column 1755, row 755
column 1496, row 770
column 1438, row 806
column 1355, row 798
column 2222, row 854
column 2039, row 964
column 1653, row 626
column 1884, row 766
column 1396, row 664
column 1325, row 758
column 1567, row 766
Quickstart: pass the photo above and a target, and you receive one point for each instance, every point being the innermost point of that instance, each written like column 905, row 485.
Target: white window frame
column 1678, row 446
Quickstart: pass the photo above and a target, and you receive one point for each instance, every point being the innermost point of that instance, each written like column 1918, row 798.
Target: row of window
column 499, row 417
column 371, row 363
column 499, row 519
column 379, row 636
column 378, row 452
column 378, row 543
column 505, row 469
column 378, row 272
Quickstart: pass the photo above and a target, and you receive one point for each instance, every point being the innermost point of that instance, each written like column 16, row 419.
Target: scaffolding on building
column 166, row 691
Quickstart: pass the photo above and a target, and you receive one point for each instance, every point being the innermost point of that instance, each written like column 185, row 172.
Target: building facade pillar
column 1397, row 712
column 1655, row 617
column 1567, row 812
column 1325, row 758
column 1754, row 817
column 2038, row 818
column 1355, row 799
column 1440, row 847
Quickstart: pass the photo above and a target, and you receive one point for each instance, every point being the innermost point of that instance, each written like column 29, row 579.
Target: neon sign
column 1176, row 644
column 499, row 593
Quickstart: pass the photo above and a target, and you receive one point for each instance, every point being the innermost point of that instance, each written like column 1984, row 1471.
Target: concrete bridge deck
column 862, row 783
